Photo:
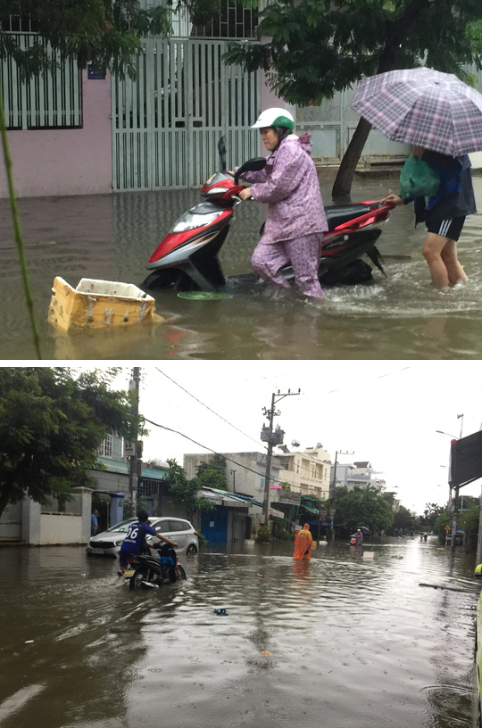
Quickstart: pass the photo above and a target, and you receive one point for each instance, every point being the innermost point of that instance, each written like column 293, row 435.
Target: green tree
column 431, row 513
column 314, row 48
column 362, row 507
column 263, row 535
column 212, row 474
column 440, row 523
column 51, row 426
column 469, row 522
column 405, row 520
column 184, row 492
column 106, row 33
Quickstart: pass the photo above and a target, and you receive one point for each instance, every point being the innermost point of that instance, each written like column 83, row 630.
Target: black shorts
column 123, row 557
column 450, row 228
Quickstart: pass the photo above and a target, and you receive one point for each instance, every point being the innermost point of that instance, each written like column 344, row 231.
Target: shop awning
column 310, row 509
column 222, row 498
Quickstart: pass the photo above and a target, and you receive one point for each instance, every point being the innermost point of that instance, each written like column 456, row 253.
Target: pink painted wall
column 54, row 162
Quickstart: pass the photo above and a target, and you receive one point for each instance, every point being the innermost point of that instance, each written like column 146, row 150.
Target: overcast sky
column 384, row 412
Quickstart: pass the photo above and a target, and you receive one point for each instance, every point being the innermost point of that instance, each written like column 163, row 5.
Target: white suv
column 178, row 530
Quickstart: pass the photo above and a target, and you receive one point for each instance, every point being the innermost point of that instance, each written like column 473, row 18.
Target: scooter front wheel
column 180, row 573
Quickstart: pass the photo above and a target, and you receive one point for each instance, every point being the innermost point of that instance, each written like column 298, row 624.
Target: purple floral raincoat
column 289, row 185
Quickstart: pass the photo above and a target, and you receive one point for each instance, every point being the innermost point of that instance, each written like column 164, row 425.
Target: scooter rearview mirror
column 222, row 150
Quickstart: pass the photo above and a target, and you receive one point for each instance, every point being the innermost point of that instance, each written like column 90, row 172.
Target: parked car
column 179, row 530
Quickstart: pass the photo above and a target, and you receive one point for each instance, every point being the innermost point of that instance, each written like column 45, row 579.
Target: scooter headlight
column 189, row 221
column 217, row 191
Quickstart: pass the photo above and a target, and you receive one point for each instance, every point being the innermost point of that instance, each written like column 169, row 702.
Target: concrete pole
column 332, row 492
column 268, row 466
column 133, row 470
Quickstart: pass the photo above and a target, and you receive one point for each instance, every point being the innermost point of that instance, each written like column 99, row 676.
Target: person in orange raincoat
column 302, row 547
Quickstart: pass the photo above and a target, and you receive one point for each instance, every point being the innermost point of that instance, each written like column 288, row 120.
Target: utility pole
column 453, row 541
column 136, row 450
column 272, row 438
column 333, row 488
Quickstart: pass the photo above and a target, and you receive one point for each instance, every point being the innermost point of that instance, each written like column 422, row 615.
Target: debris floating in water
column 266, row 653
column 98, row 304
column 205, row 295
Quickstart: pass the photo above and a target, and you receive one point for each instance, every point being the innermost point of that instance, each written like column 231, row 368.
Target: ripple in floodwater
column 397, row 317
column 349, row 639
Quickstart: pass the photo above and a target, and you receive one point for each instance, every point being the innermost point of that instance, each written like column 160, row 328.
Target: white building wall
column 307, row 472
column 59, row 529
column 249, row 474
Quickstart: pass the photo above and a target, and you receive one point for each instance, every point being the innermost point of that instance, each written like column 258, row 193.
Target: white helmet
column 274, row 117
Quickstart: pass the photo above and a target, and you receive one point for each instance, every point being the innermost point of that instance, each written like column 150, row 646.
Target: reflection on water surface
column 398, row 317
column 354, row 640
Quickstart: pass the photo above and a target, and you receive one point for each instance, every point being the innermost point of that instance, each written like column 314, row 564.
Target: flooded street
column 355, row 640
column 112, row 236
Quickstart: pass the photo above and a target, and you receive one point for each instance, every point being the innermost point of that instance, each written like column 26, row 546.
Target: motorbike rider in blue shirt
column 135, row 541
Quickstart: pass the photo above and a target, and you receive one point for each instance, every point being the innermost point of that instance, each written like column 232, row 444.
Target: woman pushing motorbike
column 295, row 218
column 444, row 214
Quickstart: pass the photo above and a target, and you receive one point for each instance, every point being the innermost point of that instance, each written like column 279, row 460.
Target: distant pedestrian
column 304, row 541
column 94, row 523
column 358, row 536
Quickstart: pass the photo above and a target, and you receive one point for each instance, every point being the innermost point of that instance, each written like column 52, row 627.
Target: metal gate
column 167, row 123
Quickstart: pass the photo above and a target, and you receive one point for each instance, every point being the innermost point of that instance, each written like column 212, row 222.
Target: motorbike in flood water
column 187, row 258
column 150, row 572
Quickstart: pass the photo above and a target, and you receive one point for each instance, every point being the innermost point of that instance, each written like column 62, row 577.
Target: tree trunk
column 396, row 30
column 344, row 178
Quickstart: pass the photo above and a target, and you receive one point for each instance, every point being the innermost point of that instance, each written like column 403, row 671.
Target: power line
column 240, row 465
column 206, row 406
column 301, row 468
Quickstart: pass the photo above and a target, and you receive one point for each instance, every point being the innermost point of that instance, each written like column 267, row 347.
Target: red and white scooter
column 187, row 257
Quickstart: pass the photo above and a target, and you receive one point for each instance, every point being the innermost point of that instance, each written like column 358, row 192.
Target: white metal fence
column 167, row 123
column 49, row 99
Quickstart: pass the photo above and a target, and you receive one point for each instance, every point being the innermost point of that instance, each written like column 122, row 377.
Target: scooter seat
column 339, row 214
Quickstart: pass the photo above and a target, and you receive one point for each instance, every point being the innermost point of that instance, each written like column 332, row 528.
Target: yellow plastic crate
column 97, row 304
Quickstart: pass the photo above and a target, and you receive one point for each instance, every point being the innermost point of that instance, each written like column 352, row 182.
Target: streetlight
column 447, row 433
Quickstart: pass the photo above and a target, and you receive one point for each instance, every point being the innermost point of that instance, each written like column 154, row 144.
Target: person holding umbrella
column 444, row 214
column 358, row 536
column 441, row 117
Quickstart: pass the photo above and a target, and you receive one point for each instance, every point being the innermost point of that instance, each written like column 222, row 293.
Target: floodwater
column 354, row 640
column 112, row 236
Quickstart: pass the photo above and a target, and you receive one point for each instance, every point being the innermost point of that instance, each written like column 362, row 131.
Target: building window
column 233, row 21
column 153, row 487
column 106, row 449
column 50, row 99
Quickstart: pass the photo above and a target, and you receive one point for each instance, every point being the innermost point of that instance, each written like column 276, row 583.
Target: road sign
column 448, row 528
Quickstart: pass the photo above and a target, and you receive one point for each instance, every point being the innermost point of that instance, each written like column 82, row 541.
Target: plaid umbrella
column 424, row 108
